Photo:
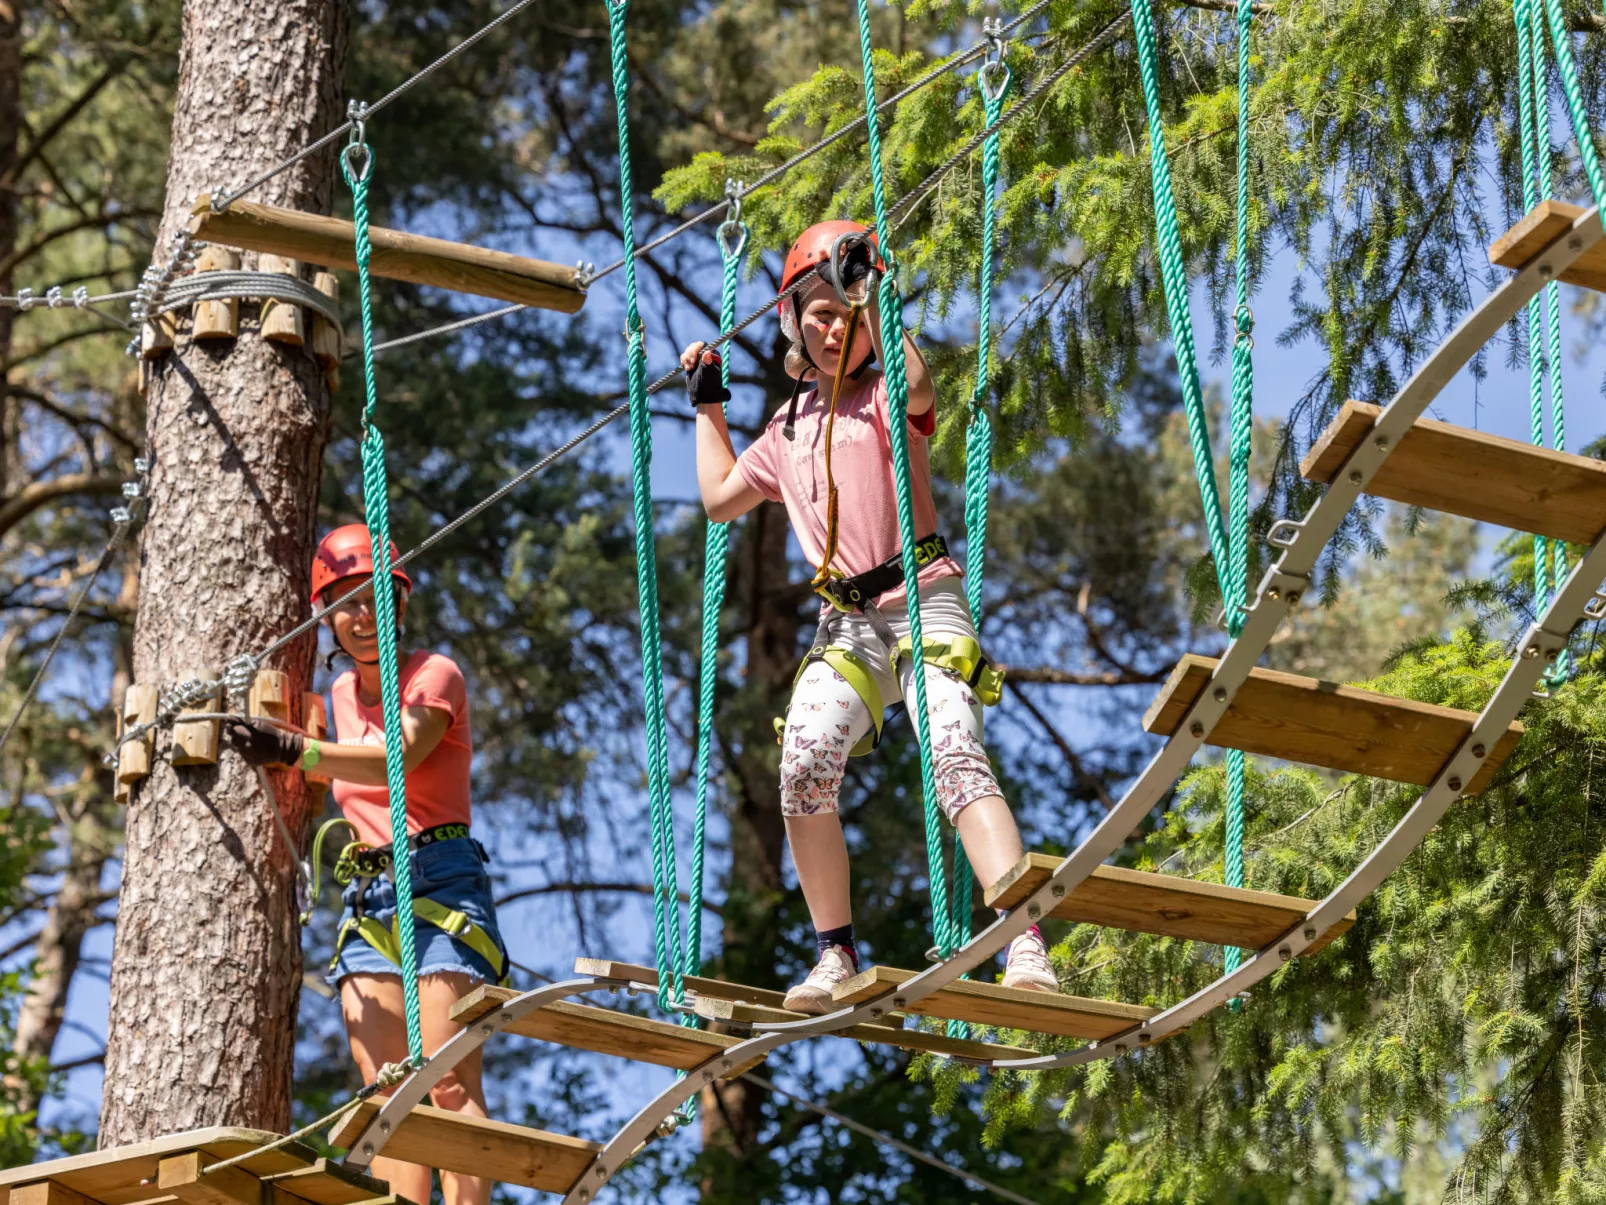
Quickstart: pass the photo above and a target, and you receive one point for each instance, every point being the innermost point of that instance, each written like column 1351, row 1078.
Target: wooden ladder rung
column 1541, row 226
column 876, row 1034
column 600, row 1030
column 1169, row 905
column 477, row 1146
column 717, row 989
column 1318, row 723
column 1000, row 1007
column 313, row 238
column 1473, row 474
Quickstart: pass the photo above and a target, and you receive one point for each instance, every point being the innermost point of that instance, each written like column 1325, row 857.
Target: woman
column 838, row 437
column 448, row 866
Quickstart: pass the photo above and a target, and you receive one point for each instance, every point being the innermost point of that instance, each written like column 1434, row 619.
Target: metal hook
column 992, row 28
column 840, row 246
column 357, row 115
column 733, row 227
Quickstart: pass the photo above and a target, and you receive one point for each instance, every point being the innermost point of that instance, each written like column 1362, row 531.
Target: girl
column 823, row 442
column 450, row 883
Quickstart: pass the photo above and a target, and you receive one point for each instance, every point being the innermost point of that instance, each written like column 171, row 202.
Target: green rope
column 376, row 510
column 898, row 409
column 665, row 879
column 1235, row 582
column 715, row 546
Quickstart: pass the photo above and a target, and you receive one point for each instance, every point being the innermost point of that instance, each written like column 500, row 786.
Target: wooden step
column 1322, row 724
column 879, row 1035
column 1541, row 226
column 1458, row 471
column 313, row 238
column 603, row 1031
column 288, row 1175
column 477, row 1146
column 1001, row 1007
column 1165, row 904
column 717, row 989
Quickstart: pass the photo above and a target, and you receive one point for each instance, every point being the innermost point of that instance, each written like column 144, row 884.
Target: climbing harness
column 357, row 164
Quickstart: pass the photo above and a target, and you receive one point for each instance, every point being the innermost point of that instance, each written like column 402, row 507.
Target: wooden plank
column 1540, row 227
column 603, row 1031
column 125, row 1174
column 1459, row 471
column 186, row 1177
column 477, row 1146
column 1164, row 904
column 327, row 1182
column 1322, row 724
column 877, row 1034
column 1000, row 1007
column 48, row 1192
column 718, row 989
column 196, row 743
column 415, row 258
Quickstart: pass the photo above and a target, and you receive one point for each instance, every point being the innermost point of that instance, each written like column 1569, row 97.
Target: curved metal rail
column 1279, row 590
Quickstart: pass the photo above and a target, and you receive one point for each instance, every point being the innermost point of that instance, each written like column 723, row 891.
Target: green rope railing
column 898, row 410
column 1235, row 581
column 716, row 541
column 376, row 511
column 666, row 915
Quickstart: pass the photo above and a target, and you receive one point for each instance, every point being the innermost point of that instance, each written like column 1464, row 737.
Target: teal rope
column 666, row 917
column 376, row 510
column 1235, row 582
column 715, row 546
column 898, row 408
column 1175, row 280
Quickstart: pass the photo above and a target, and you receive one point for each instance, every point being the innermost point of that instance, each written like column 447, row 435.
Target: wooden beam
column 603, row 1031
column 718, row 989
column 313, row 238
column 326, row 1182
column 48, row 1192
column 1317, row 723
column 1164, row 904
column 1459, row 471
column 876, row 1034
column 1000, row 1007
column 1541, row 226
column 477, row 1146
column 186, row 1177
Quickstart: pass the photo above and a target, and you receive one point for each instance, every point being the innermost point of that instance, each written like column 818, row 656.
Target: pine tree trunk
column 206, row 969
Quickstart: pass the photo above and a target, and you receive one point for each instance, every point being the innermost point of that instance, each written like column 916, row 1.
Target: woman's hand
column 263, row 743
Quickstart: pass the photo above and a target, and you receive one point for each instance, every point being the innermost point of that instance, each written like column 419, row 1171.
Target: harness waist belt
column 370, row 861
column 851, row 593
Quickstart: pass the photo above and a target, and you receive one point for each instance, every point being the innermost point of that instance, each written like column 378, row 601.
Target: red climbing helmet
column 813, row 247
column 347, row 552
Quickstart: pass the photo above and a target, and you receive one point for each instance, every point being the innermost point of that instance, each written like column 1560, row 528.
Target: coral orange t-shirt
column 793, row 473
column 437, row 789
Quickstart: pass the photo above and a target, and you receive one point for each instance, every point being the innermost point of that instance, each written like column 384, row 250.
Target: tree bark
column 10, row 134
column 206, row 968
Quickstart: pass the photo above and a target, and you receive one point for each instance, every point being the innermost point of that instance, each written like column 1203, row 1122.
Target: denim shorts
column 449, row 872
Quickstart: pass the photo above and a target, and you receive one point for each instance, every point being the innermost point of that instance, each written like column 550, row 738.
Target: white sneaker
column 813, row 995
column 1027, row 965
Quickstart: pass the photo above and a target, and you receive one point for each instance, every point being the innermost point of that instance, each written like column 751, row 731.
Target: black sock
column 824, row 939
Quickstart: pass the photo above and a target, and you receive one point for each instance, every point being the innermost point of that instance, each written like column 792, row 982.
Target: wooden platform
column 876, row 1034
column 313, row 238
column 1002, row 1007
column 168, row 1169
column 1322, row 724
column 451, row 1142
column 717, row 989
column 1164, row 904
column 1462, row 472
column 1540, row 227
column 604, row 1031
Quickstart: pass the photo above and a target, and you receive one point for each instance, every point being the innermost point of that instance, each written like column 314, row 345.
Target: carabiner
column 992, row 29
column 733, row 226
column 357, row 116
column 840, row 246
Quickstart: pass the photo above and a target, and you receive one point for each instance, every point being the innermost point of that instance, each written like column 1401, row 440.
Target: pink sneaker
column 1027, row 965
column 813, row 995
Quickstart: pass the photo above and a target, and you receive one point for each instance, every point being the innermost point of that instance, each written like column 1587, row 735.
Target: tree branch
column 30, row 498
column 93, row 89
column 1050, row 676
column 576, row 888
column 1078, row 767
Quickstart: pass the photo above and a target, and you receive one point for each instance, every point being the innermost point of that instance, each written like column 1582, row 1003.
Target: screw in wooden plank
column 1196, row 729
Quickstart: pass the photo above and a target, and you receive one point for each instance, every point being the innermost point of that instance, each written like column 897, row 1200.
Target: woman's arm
column 725, row 492
column 422, row 730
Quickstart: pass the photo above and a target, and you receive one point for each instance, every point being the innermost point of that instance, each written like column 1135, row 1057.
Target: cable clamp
column 240, row 673
column 142, row 465
column 80, row 297
column 26, row 300
column 584, row 273
column 53, row 297
column 122, row 516
column 131, row 489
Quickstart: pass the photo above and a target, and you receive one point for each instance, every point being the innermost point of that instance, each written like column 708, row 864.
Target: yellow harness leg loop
column 387, row 938
column 960, row 656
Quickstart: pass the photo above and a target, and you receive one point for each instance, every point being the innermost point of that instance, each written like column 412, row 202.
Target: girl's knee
column 963, row 771
column 811, row 781
column 452, row 1093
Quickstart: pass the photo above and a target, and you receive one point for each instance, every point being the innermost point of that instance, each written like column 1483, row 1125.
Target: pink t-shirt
column 437, row 789
column 861, row 462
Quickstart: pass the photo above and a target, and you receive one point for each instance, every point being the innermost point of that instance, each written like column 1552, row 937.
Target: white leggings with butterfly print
column 827, row 718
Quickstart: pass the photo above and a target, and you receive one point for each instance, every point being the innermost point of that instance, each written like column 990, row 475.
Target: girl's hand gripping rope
column 704, row 386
